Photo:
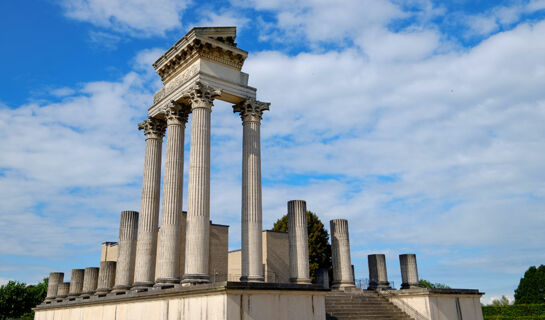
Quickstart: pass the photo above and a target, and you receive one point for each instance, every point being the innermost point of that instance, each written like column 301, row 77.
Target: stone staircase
column 361, row 305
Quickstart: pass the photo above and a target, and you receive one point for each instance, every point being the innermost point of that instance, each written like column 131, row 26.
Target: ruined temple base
column 221, row 301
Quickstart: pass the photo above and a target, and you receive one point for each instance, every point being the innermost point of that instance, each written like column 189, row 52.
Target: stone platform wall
column 228, row 301
column 438, row 304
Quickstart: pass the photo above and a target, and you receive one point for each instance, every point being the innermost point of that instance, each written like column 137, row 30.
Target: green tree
column 531, row 287
column 504, row 301
column 17, row 299
column 319, row 249
column 427, row 284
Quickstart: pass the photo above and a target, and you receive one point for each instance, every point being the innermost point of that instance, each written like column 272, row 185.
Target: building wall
column 109, row 251
column 234, row 262
column 275, row 258
column 219, row 245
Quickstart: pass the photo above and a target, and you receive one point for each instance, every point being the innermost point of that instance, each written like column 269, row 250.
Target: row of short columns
column 117, row 276
column 378, row 275
column 343, row 276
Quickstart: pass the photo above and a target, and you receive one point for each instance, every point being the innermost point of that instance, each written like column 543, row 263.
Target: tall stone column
column 52, row 285
column 76, row 282
column 106, row 277
column 378, row 276
column 251, row 112
column 340, row 254
column 168, row 255
column 409, row 271
column 298, row 241
column 198, row 195
column 146, row 246
column 90, row 281
column 63, row 289
column 126, row 254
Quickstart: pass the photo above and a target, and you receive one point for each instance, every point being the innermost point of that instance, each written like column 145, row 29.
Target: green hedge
column 514, row 312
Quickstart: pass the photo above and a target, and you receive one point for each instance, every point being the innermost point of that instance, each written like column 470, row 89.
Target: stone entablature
column 215, row 44
column 204, row 55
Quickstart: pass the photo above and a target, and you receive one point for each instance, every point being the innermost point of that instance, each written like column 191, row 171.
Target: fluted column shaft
column 298, row 241
column 146, row 247
column 198, row 195
column 53, row 283
column 63, row 289
column 126, row 255
column 252, row 252
column 106, row 277
column 378, row 275
column 168, row 255
column 76, row 282
column 90, row 280
column 340, row 254
column 409, row 271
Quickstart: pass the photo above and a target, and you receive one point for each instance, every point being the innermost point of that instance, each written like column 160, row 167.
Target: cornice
column 191, row 47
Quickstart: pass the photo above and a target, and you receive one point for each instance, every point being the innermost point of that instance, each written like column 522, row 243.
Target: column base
column 252, row 279
column 409, row 286
column 339, row 285
column 142, row 286
column 196, row 278
column 100, row 292
column 383, row 285
column 162, row 281
column 300, row 280
column 121, row 289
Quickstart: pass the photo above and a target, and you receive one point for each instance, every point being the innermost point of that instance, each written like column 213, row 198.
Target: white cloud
column 500, row 16
column 62, row 92
column 136, row 17
column 69, row 167
column 461, row 134
column 225, row 18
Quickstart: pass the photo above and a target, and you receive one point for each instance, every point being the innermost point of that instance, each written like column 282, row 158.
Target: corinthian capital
column 251, row 109
column 153, row 128
column 202, row 96
column 176, row 113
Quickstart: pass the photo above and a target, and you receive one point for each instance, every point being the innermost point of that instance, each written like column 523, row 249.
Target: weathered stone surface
column 128, row 232
column 146, row 246
column 55, row 278
column 440, row 304
column 76, row 282
column 378, row 275
column 169, row 249
column 198, row 195
column 252, row 252
column 106, row 277
column 62, row 289
column 298, row 240
column 409, row 271
column 340, row 255
column 90, row 281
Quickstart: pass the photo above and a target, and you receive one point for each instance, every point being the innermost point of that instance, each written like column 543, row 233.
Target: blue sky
column 421, row 122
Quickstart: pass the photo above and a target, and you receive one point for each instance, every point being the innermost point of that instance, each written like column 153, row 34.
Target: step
column 361, row 305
